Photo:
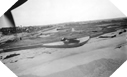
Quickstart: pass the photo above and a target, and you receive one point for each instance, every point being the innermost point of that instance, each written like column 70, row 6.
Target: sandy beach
column 46, row 62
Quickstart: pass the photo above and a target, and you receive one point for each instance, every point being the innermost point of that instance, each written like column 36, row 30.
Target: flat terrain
column 68, row 30
column 100, row 57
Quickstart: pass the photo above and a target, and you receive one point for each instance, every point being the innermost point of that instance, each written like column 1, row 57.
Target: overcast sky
column 44, row 12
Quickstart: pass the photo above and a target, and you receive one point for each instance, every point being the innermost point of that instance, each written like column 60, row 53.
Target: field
column 99, row 57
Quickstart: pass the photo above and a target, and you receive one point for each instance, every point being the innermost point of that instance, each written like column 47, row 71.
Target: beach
column 45, row 62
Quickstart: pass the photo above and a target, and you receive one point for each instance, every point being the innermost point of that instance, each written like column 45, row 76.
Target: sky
column 45, row 12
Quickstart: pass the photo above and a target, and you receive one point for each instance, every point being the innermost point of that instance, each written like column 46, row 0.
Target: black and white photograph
column 63, row 38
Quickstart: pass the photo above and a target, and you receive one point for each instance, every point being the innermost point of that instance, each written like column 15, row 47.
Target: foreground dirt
column 95, row 57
